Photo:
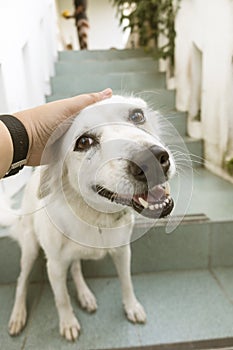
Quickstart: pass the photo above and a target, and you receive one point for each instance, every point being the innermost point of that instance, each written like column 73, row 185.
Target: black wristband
column 20, row 142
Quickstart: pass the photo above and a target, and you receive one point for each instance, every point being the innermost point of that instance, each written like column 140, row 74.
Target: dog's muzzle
column 150, row 165
column 148, row 169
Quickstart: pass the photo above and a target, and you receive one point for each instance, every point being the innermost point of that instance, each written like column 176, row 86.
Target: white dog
column 108, row 164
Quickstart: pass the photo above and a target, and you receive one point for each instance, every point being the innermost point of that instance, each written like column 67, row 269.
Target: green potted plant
column 151, row 19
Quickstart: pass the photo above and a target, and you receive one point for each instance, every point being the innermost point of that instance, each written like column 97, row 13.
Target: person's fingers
column 70, row 107
column 73, row 105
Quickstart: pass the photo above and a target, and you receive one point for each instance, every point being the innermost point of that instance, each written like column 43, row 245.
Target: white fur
column 91, row 214
column 7, row 216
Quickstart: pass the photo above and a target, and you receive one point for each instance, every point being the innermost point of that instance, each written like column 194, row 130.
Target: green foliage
column 229, row 166
column 150, row 18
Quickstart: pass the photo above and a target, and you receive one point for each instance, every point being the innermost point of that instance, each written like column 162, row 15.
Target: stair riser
column 122, row 81
column 114, row 66
column 195, row 149
column 101, row 54
column 190, row 246
column 179, row 123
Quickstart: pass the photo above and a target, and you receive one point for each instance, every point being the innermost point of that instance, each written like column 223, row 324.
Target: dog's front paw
column 70, row 328
column 135, row 312
column 87, row 300
column 17, row 320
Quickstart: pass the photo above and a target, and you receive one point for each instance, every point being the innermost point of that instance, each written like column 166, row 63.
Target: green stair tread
column 117, row 81
column 184, row 306
column 104, row 66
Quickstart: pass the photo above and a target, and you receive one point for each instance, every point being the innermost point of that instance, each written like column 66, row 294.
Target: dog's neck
column 92, row 216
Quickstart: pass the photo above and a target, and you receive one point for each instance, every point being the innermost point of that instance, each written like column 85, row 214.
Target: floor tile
column 7, row 293
column 184, row 306
column 180, row 306
column 224, row 276
column 104, row 329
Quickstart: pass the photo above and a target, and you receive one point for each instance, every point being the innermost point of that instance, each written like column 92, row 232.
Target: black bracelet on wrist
column 20, row 142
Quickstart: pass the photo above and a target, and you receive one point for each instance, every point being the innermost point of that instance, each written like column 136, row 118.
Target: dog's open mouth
column 155, row 203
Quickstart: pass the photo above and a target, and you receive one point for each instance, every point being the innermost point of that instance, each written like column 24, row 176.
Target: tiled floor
column 180, row 306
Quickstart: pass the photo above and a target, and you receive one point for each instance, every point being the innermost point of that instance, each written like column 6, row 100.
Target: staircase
column 184, row 279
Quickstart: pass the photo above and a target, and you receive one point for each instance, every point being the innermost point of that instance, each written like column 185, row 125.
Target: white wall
column 28, row 50
column 204, row 75
column 104, row 33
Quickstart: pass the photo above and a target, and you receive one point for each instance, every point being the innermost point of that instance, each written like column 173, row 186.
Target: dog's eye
column 84, row 143
column 137, row 116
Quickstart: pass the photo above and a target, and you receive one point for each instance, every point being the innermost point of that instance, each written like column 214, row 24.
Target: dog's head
column 117, row 159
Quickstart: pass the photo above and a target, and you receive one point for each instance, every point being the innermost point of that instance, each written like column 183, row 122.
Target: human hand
column 40, row 122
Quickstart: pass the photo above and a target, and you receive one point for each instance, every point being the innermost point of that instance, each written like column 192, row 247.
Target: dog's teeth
column 164, row 204
column 167, row 201
column 151, row 207
column 143, row 202
column 156, row 206
column 161, row 206
column 167, row 188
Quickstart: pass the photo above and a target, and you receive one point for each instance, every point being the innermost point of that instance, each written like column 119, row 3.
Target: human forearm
column 6, row 150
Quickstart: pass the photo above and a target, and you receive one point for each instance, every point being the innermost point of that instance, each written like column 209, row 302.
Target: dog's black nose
column 162, row 156
column 150, row 165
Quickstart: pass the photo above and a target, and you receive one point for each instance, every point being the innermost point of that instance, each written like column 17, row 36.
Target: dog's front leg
column 134, row 310
column 30, row 249
column 69, row 325
column 85, row 296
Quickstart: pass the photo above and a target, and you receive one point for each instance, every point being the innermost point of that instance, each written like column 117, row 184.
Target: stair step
column 70, row 84
column 183, row 309
column 102, row 54
column 105, row 66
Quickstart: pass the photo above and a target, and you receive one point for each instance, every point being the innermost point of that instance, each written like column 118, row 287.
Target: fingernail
column 106, row 93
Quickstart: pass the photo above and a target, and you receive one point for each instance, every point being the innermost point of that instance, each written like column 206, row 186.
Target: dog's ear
column 54, row 172
column 49, row 172
column 52, row 179
column 45, row 187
